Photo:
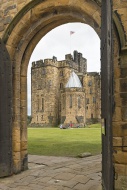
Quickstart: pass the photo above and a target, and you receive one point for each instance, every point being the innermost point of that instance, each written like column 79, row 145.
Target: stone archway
column 30, row 28
column 31, row 21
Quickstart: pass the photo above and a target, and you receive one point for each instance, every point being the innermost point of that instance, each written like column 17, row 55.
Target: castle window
column 37, row 103
column 50, row 83
column 61, row 73
column 60, row 108
column 87, row 100
column 39, row 87
column 63, row 102
column 42, row 104
column 43, row 72
column 37, row 117
column 91, row 115
column 90, row 90
column 61, row 85
column 89, row 83
column 84, row 68
column 79, row 102
column 94, row 100
column 42, row 118
column 70, row 101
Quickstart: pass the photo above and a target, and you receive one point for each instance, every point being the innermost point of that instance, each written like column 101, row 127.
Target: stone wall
column 23, row 24
column 73, row 107
column 48, row 81
column 44, row 88
column 120, row 97
column 93, row 97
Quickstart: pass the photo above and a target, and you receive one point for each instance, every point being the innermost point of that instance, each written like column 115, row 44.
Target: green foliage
column 29, row 118
column 63, row 142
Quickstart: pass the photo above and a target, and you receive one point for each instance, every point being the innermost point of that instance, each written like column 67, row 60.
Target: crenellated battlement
column 78, row 63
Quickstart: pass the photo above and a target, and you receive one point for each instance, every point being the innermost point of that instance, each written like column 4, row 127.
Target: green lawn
column 64, row 142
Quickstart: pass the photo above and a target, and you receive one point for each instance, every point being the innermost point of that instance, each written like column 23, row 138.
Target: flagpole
column 71, row 32
column 70, row 43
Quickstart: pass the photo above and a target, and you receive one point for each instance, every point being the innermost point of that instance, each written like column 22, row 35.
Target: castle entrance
column 24, row 25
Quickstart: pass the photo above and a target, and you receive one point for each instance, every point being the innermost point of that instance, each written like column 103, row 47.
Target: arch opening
column 31, row 27
column 27, row 32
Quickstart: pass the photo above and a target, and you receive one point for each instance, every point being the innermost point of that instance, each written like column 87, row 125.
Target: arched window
column 63, row 103
column 61, row 85
column 37, row 103
column 89, row 83
column 61, row 73
column 60, row 107
column 70, row 101
column 42, row 104
column 43, row 71
column 79, row 102
column 90, row 90
column 94, row 100
column 87, row 100
column 50, row 83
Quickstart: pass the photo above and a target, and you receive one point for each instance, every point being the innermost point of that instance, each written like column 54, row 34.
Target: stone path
column 57, row 173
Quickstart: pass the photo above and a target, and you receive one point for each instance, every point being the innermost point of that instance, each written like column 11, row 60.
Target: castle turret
column 72, row 102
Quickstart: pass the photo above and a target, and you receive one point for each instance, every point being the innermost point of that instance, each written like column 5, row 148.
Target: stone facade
column 23, row 24
column 51, row 99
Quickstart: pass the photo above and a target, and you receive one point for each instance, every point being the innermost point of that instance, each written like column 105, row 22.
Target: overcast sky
column 58, row 42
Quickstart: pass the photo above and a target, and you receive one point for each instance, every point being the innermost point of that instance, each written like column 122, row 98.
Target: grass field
column 64, row 142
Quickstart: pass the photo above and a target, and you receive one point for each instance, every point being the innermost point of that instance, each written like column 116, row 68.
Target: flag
column 72, row 32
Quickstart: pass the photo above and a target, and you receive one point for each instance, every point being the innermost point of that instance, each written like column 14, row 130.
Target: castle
column 64, row 92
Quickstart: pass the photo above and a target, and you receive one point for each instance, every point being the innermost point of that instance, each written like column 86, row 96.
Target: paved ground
column 57, row 173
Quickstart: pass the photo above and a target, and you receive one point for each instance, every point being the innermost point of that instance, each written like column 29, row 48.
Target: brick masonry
column 23, row 24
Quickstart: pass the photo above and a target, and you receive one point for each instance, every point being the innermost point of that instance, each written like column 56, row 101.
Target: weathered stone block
column 117, row 114
column 16, row 146
column 123, row 85
column 17, row 166
column 16, row 133
column 117, row 141
column 124, row 143
column 117, row 72
column 123, row 73
column 120, row 157
column 121, row 169
column 17, row 156
column 9, row 8
column 24, row 145
column 7, row 20
column 121, row 183
column 123, row 95
column 118, row 100
column 124, row 102
column 124, row 114
column 123, row 60
column 117, row 85
column 1, row 27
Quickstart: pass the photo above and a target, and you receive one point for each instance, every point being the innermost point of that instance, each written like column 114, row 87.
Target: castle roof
column 74, row 81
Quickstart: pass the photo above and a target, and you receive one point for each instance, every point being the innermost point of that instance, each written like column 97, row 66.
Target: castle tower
column 44, row 79
column 62, row 96
column 73, row 102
